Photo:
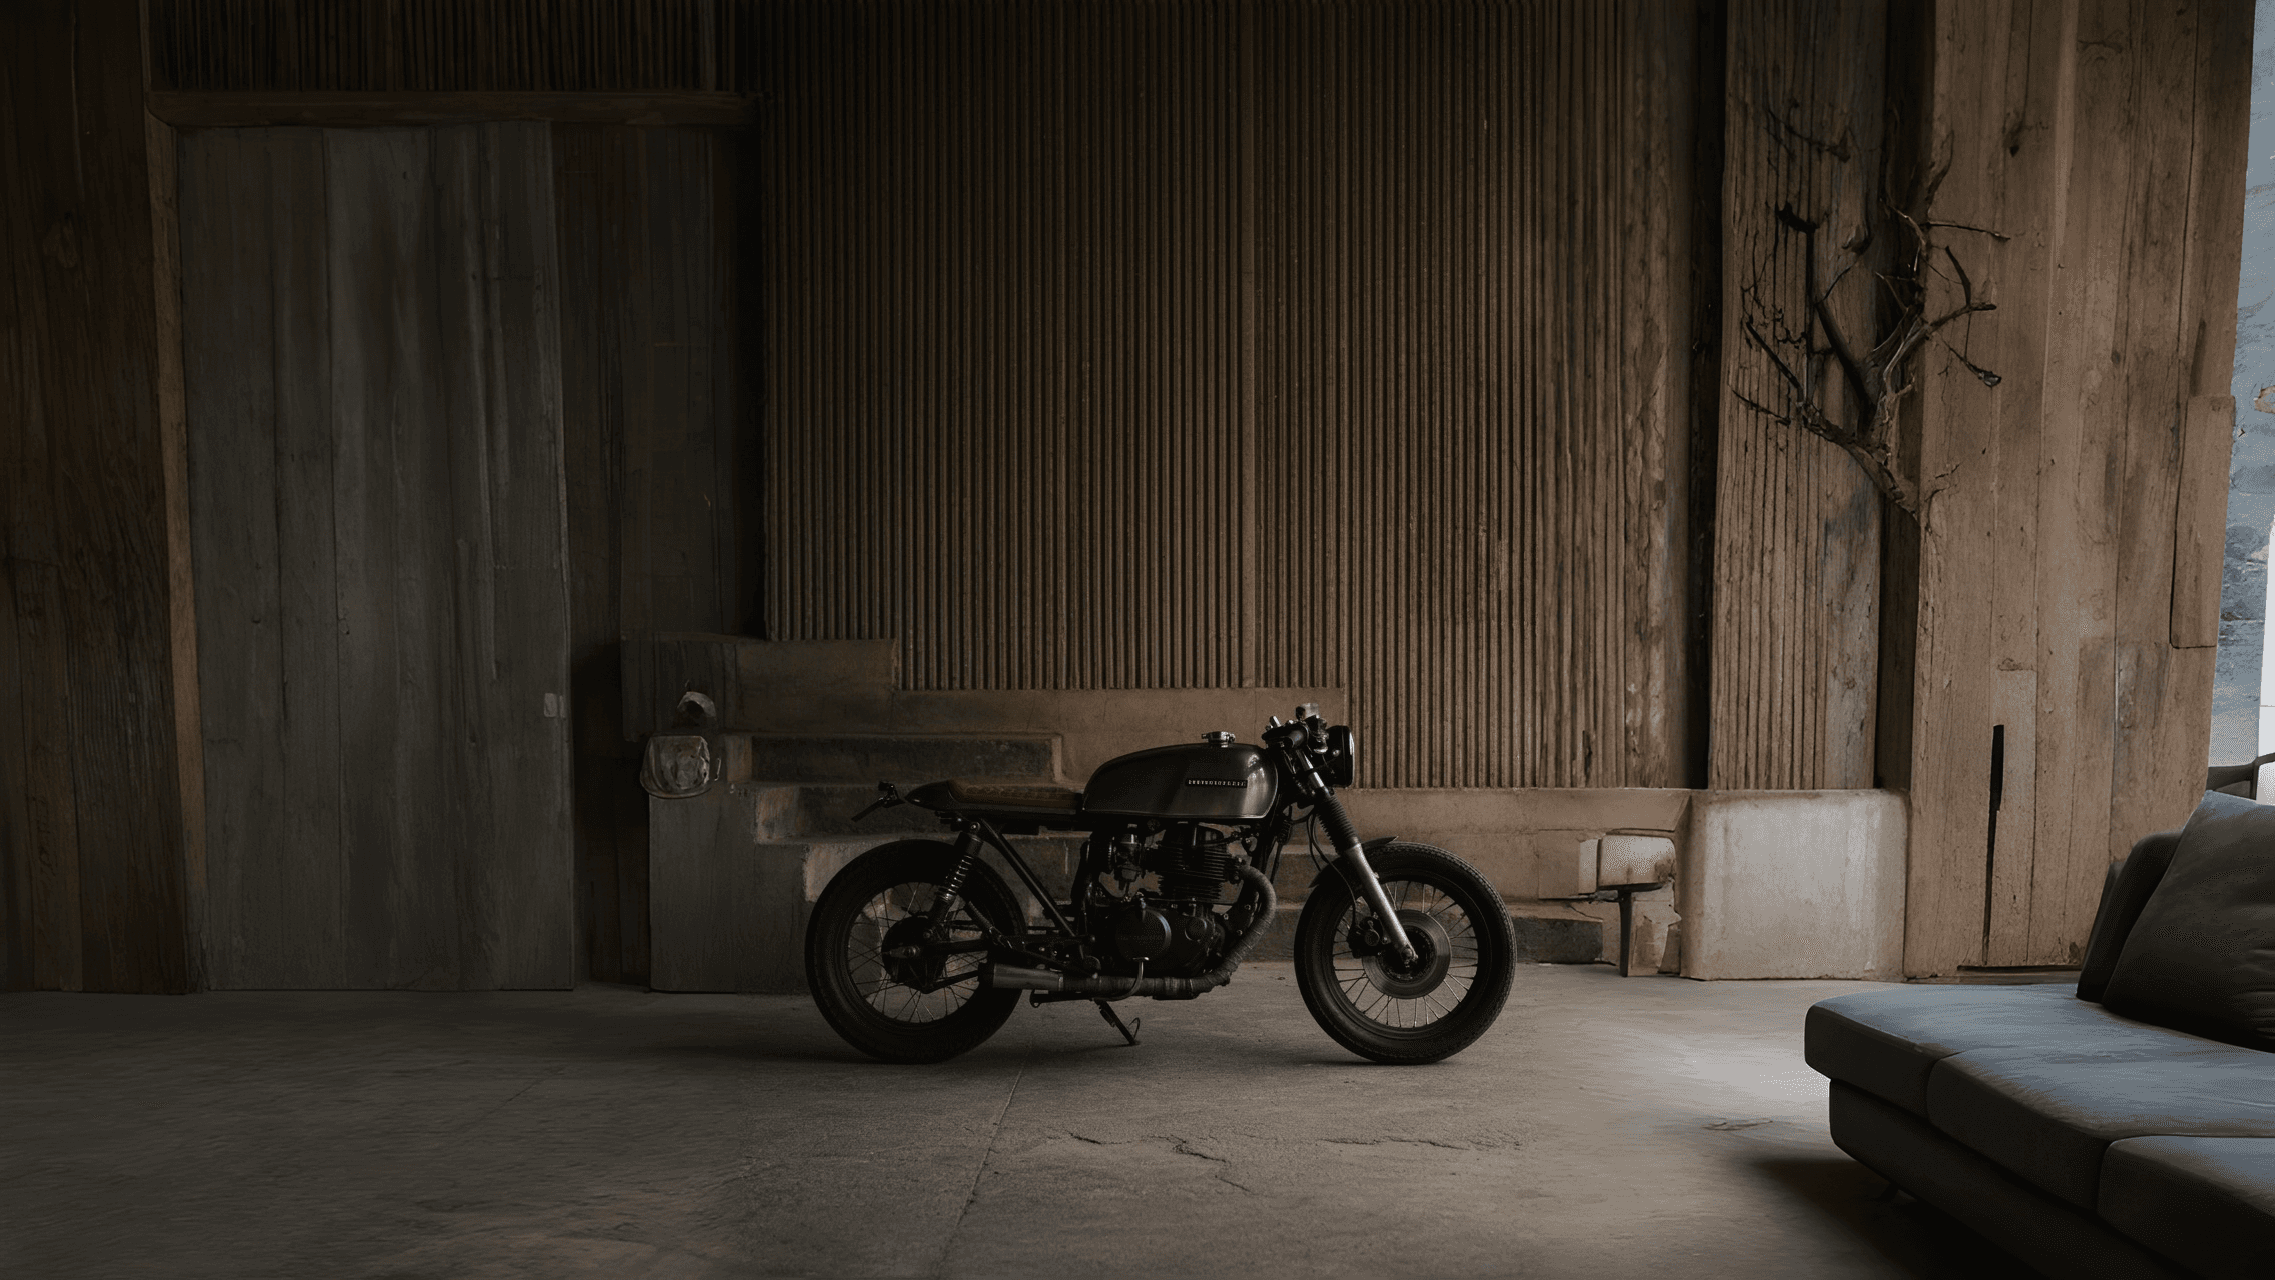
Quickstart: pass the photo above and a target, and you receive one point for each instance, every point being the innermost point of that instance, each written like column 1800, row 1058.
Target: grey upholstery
column 1907, row 1151
column 2131, row 1137
column 2207, row 1203
column 2123, row 894
column 2202, row 954
column 1885, row 1041
column 2047, row 1113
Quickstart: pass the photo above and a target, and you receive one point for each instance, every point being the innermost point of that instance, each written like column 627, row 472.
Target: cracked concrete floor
column 1604, row 1128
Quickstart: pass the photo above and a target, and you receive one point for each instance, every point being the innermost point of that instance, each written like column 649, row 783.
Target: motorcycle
column 917, row 950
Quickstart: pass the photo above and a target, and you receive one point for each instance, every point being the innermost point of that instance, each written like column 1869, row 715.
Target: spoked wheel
column 1372, row 1001
column 874, row 977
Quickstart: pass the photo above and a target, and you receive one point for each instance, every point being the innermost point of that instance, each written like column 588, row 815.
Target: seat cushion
column 2048, row 1112
column 1884, row 1041
column 2124, row 895
column 974, row 794
column 2202, row 955
column 2208, row 1203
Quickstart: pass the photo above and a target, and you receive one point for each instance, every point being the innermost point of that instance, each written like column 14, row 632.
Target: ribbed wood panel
column 1797, row 525
column 1152, row 346
column 447, row 44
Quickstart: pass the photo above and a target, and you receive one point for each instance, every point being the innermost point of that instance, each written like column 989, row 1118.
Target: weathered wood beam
column 243, row 110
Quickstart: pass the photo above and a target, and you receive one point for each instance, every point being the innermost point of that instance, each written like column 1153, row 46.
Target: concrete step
column 908, row 759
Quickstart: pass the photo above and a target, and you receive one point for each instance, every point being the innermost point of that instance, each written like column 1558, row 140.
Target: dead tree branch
column 1878, row 378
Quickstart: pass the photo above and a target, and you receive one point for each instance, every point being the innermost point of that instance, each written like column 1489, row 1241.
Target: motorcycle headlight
column 1342, row 762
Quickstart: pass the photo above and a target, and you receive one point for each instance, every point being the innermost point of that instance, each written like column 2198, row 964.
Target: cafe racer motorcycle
column 917, row 950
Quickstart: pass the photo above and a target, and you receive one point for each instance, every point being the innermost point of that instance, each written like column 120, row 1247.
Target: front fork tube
column 1354, row 860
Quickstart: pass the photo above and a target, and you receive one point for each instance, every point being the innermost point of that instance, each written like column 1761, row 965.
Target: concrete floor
column 1604, row 1128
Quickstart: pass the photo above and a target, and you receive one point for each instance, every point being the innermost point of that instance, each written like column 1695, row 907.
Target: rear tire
column 879, row 1005
column 1390, row 1013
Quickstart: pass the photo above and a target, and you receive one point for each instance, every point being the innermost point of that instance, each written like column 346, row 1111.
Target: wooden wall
column 1218, row 345
column 374, row 405
column 659, row 392
column 98, row 860
column 1797, row 531
column 2069, row 558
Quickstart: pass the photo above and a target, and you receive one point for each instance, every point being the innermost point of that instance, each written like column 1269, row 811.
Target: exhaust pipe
column 1110, row 988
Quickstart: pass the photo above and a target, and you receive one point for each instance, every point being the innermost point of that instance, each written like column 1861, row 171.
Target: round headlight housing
column 1341, row 764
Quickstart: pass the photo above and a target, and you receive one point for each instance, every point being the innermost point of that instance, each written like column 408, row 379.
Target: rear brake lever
column 889, row 795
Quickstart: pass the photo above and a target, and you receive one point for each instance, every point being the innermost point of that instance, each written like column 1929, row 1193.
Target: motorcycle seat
column 967, row 793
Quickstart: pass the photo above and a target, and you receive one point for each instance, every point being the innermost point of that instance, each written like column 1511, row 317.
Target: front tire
column 881, row 1005
column 1381, row 1009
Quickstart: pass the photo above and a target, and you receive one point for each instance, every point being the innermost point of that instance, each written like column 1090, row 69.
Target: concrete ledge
column 1794, row 884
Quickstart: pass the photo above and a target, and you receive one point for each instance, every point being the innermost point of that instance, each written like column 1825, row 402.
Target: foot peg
column 1130, row 1031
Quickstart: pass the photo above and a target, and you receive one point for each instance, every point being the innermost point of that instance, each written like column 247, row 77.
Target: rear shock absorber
column 967, row 853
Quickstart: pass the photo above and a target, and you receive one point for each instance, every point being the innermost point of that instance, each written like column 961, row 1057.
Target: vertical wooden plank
column 592, row 446
column 466, row 343
column 1957, row 693
column 181, row 583
column 2155, row 350
column 252, row 219
column 2200, row 524
column 528, row 872
column 2017, row 272
column 2006, row 917
column 2083, row 441
column 42, row 844
column 395, row 560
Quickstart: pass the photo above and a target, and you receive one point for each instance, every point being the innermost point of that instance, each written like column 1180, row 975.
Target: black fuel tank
column 1200, row 783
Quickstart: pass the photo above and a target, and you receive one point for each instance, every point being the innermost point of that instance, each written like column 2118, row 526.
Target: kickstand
column 1130, row 1031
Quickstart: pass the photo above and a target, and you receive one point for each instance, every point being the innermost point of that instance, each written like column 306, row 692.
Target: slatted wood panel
column 1797, row 528
column 96, row 871
column 449, row 44
column 659, row 429
column 2058, row 601
column 1200, row 346
column 373, row 380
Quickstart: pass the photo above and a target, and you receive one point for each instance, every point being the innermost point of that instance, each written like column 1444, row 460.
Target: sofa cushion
column 1884, row 1041
column 2057, row 1239
column 2202, row 955
column 2123, row 895
column 2047, row 1112
column 2208, row 1203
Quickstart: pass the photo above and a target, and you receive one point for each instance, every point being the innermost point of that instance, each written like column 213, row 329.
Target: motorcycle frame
column 974, row 830
column 1300, row 786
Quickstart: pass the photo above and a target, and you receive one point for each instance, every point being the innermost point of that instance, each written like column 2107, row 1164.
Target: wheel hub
column 904, row 958
column 1433, row 955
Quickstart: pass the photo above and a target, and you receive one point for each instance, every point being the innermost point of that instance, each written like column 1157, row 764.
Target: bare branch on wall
column 1878, row 378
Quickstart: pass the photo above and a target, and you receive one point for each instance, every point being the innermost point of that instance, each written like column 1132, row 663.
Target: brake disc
column 1433, row 948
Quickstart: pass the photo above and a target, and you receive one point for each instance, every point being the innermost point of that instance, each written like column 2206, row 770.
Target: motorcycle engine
column 1176, row 932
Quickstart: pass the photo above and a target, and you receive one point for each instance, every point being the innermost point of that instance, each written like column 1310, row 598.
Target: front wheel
column 896, row 983
column 1382, row 1008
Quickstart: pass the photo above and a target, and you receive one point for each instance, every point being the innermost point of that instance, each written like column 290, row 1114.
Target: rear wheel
column 862, row 960
column 1379, row 1006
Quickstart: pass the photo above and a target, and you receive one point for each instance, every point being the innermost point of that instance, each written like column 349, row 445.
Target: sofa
column 2123, row 1128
